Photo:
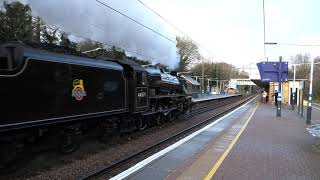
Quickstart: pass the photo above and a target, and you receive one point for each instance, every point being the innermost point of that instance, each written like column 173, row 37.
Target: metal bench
column 314, row 130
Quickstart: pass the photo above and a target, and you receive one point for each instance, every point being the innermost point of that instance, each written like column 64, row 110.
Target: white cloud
column 232, row 30
column 92, row 20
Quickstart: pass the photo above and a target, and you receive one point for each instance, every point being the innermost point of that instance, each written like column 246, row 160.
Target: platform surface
column 273, row 148
column 268, row 148
column 170, row 164
column 214, row 96
column 315, row 115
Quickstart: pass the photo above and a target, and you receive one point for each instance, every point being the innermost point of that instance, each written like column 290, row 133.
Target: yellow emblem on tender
column 78, row 89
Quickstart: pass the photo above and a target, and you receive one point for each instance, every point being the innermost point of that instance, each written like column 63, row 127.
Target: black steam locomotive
column 65, row 95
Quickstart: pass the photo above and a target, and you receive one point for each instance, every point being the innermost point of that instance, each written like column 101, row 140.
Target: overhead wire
column 86, row 38
column 292, row 44
column 105, row 44
column 171, row 24
column 98, row 27
column 136, row 21
column 174, row 26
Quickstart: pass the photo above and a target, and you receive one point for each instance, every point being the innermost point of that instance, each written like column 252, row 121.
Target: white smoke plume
column 92, row 20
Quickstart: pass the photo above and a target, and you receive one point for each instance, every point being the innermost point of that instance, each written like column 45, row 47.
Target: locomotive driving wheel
column 170, row 117
column 157, row 120
column 67, row 142
column 140, row 123
column 187, row 107
column 177, row 115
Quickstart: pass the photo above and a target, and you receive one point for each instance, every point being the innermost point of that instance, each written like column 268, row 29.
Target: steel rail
column 111, row 167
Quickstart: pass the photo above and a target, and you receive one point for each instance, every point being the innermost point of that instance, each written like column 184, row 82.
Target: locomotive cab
column 141, row 96
column 137, row 85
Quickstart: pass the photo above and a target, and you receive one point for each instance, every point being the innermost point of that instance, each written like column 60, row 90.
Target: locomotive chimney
column 11, row 54
column 173, row 73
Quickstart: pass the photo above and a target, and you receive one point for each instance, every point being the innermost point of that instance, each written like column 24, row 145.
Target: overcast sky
column 232, row 30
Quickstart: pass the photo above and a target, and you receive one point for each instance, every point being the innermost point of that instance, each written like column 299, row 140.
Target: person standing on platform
column 264, row 97
column 275, row 98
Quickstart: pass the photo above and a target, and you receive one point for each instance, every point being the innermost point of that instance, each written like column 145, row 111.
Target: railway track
column 105, row 170
column 207, row 108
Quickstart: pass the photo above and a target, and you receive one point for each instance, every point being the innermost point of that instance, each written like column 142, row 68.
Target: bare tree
column 316, row 79
column 302, row 71
column 50, row 35
column 188, row 52
column 222, row 71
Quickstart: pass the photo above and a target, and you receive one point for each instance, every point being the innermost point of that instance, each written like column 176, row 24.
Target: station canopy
column 269, row 71
column 190, row 80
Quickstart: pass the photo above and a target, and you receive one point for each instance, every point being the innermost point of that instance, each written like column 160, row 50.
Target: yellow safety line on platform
column 226, row 152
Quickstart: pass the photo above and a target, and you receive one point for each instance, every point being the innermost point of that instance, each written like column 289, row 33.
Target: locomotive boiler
column 47, row 93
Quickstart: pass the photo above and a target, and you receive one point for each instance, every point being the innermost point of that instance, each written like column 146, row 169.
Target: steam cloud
column 92, row 20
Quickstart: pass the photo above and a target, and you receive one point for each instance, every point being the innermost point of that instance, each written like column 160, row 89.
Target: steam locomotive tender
column 64, row 95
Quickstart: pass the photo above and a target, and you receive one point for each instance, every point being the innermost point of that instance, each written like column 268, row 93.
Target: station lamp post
column 210, row 79
column 309, row 109
column 279, row 99
column 264, row 31
column 200, row 77
column 294, row 87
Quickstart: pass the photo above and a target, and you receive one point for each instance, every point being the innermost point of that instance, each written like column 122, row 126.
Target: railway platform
column 250, row 142
column 212, row 97
column 205, row 100
column 315, row 113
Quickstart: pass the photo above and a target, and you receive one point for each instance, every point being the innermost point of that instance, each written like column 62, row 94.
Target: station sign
column 279, row 97
column 301, row 85
column 269, row 71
